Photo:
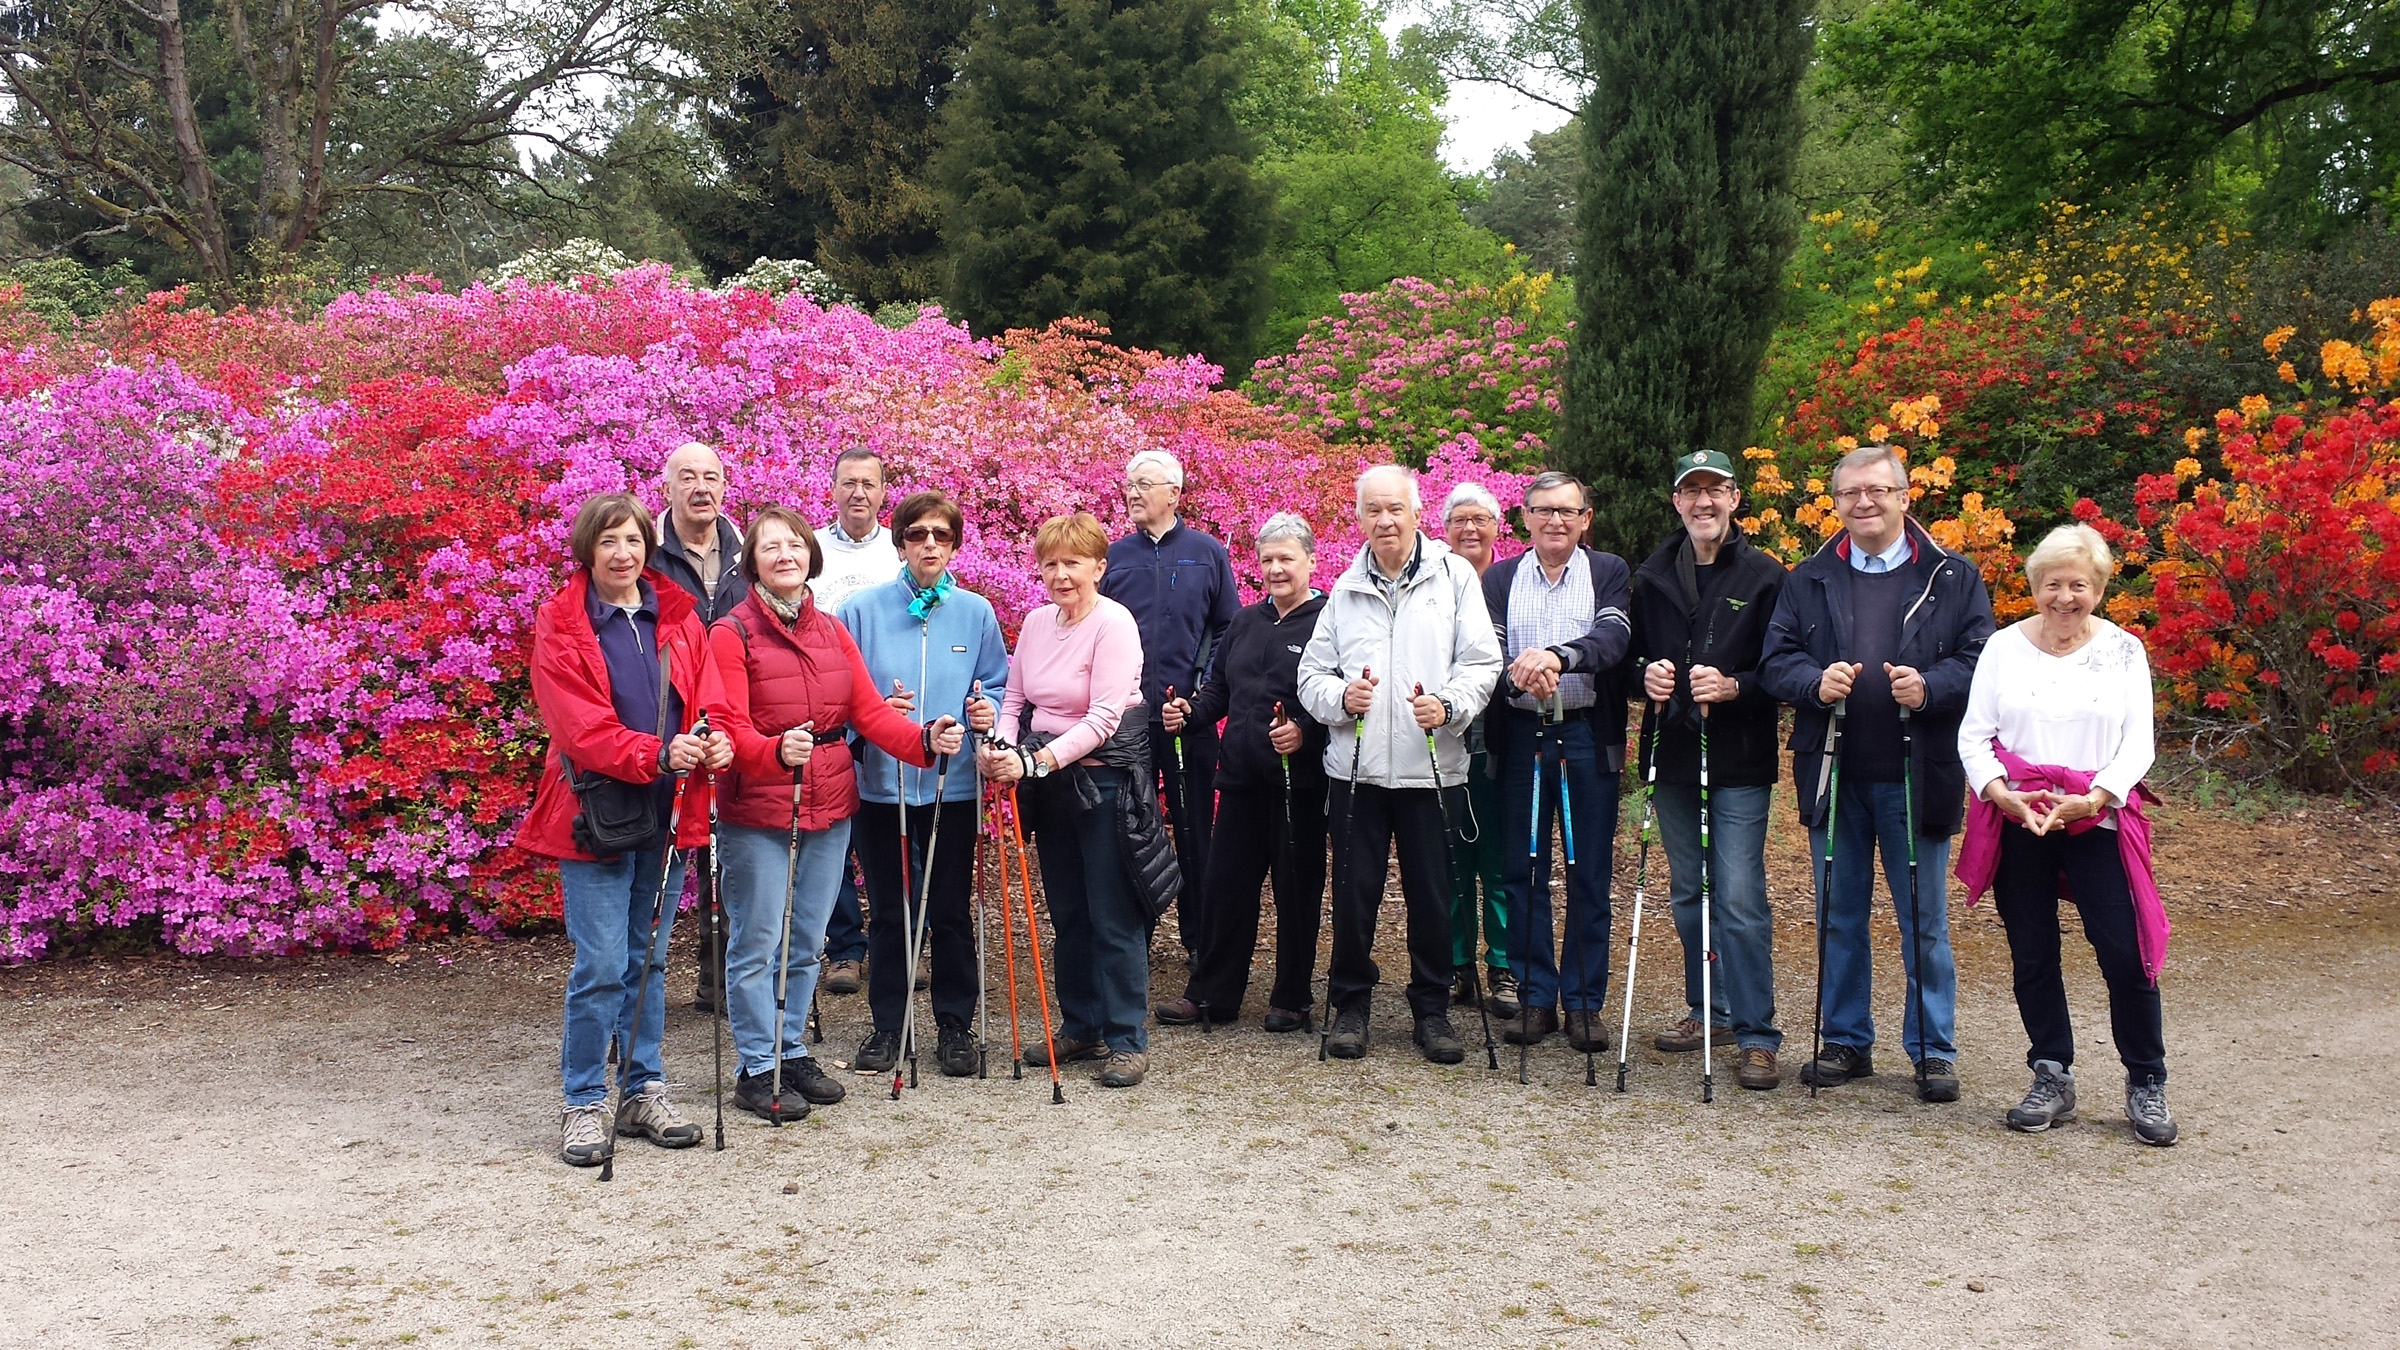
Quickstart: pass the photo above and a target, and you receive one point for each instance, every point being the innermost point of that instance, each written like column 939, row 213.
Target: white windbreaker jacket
column 1438, row 634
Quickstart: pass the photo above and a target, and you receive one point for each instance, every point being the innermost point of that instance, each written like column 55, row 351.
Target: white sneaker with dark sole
column 582, row 1135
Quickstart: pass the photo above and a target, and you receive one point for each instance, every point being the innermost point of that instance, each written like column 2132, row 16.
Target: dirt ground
column 357, row 1151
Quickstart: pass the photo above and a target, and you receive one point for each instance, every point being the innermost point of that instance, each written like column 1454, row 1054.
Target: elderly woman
column 793, row 684
column 1271, row 777
column 620, row 666
column 1471, row 524
column 1086, row 767
column 2056, row 739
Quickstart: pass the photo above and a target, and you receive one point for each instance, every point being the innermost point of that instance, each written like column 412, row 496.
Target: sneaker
column 802, row 1074
column 1684, row 1037
column 1348, row 1040
column 1758, row 1071
column 2146, row 1108
column 877, row 1053
column 652, row 1115
column 1463, row 992
column 2050, row 1101
column 955, row 1049
column 1505, row 1001
column 845, row 977
column 1126, row 1068
column 755, row 1093
column 1836, row 1065
column 1182, row 1012
column 1587, row 1031
column 582, row 1138
column 1283, row 1020
column 1069, row 1050
column 1439, row 1040
column 1530, row 1027
column 1937, row 1080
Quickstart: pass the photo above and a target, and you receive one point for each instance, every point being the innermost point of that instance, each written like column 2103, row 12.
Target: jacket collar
column 1922, row 550
column 729, row 540
column 1426, row 561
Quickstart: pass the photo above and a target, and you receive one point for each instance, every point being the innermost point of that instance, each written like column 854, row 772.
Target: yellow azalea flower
column 2186, row 470
column 2274, row 341
column 2192, row 436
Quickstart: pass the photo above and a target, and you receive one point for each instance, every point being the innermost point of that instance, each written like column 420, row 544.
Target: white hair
column 1168, row 467
column 1286, row 525
column 1408, row 476
column 1864, row 456
column 1466, row 494
column 2071, row 546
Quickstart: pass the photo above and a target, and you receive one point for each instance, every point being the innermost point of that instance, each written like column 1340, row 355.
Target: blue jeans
column 1101, row 944
column 607, row 906
column 1579, row 981
column 1742, row 990
column 1870, row 814
column 755, row 862
column 846, row 929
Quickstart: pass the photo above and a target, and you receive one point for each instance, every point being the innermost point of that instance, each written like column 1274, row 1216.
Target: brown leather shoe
column 1684, row 1036
column 1069, row 1050
column 844, row 977
column 1587, row 1031
column 1530, row 1027
column 1758, row 1072
column 1126, row 1068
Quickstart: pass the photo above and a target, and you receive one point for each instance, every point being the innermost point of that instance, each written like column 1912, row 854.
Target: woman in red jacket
column 793, row 682
column 620, row 663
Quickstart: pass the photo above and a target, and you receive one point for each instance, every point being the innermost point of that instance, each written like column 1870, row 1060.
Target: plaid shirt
column 1543, row 613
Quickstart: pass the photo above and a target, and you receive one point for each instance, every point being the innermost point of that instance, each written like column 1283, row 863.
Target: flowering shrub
column 780, row 276
column 574, row 258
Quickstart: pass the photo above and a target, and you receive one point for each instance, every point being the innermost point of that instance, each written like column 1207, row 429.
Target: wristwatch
column 1449, row 713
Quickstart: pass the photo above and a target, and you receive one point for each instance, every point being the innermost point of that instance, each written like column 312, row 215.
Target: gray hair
column 1169, row 467
column 857, row 452
column 1470, row 494
column 1864, row 456
column 1552, row 480
column 2071, row 546
column 1416, row 500
column 1286, row 525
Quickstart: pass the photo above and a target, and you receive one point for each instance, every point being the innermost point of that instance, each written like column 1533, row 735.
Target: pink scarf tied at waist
column 1979, row 854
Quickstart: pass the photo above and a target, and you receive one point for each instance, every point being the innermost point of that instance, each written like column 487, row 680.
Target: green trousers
column 1478, row 850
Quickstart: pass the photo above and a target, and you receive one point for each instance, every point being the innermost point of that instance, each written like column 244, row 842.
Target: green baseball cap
column 1702, row 461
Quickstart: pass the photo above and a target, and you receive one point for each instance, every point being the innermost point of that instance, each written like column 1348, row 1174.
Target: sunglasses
column 918, row 534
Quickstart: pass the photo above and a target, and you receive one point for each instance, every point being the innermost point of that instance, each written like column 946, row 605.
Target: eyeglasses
column 918, row 534
column 1852, row 496
column 1558, row 512
column 1475, row 521
column 1145, row 486
column 1720, row 491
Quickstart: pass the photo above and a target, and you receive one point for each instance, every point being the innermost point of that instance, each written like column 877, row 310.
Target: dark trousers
column 708, row 955
column 846, row 931
column 2033, row 871
column 1250, row 849
column 1576, row 976
column 1412, row 817
column 875, row 838
column 1192, row 810
column 1100, row 962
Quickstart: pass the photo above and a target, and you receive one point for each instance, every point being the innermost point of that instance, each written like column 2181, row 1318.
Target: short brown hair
column 602, row 514
column 917, row 505
column 793, row 521
column 1080, row 534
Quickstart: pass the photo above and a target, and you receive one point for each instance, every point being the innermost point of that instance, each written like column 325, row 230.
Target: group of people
column 824, row 704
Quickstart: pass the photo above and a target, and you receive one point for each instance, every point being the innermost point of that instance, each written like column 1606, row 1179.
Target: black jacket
column 1598, row 653
column 1724, row 626
column 679, row 567
column 1941, row 635
column 1257, row 664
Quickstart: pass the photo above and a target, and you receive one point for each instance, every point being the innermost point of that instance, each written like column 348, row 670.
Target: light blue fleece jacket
column 939, row 657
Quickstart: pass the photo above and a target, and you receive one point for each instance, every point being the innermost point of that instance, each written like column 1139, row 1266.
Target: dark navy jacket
column 1181, row 590
column 679, row 567
column 1941, row 634
column 1599, row 653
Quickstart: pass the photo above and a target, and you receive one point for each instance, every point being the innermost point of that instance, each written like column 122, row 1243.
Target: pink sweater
column 1080, row 679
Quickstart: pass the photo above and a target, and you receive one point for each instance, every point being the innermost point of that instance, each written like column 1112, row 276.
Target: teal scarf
column 922, row 599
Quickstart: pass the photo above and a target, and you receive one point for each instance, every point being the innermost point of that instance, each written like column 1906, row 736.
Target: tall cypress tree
column 1685, row 227
column 1090, row 165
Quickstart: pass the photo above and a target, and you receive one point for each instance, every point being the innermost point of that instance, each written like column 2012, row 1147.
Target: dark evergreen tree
column 1091, row 165
column 1684, row 229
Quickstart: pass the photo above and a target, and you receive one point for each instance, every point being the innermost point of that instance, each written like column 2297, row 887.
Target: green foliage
column 1090, row 164
column 62, row 290
column 1685, row 228
column 1532, row 195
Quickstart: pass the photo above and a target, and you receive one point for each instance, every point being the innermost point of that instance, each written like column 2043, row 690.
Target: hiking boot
column 582, row 1137
column 1587, row 1031
column 1530, row 1027
column 1126, row 1068
column 704, row 998
column 1439, row 1040
column 1684, row 1037
column 652, row 1115
column 955, row 1049
column 877, row 1053
column 1463, row 991
column 844, row 977
column 2146, row 1109
column 1348, row 1039
column 1836, row 1065
column 755, row 1093
column 1937, row 1080
column 1182, row 1012
column 1505, row 1001
column 1069, row 1050
column 1282, row 1020
column 2050, row 1101
column 1758, row 1071
column 803, row 1075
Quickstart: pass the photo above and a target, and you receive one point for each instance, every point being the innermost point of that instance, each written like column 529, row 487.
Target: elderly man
column 1887, row 624
column 701, row 553
column 1700, row 608
column 1560, row 611
column 1179, row 584
column 859, row 552
column 1403, row 658
column 1471, row 523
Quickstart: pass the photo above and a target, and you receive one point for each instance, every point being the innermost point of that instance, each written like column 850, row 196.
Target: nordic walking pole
column 1008, row 929
column 1033, row 948
column 1641, row 884
column 983, row 985
column 1829, row 791
column 783, row 957
column 716, row 952
column 1916, row 905
column 1441, row 799
column 922, row 922
column 1182, row 788
column 1566, row 826
column 1333, row 904
column 1283, row 846
column 1708, row 952
column 658, row 910
column 1537, row 868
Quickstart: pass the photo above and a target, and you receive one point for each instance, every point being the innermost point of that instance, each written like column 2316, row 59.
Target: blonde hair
column 2071, row 545
column 1080, row 534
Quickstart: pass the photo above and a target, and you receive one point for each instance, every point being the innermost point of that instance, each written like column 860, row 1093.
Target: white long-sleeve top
column 2091, row 709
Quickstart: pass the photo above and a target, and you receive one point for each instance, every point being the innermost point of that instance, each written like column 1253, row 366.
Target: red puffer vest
column 776, row 678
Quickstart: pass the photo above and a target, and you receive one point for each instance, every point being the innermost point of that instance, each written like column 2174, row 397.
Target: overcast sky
column 1485, row 118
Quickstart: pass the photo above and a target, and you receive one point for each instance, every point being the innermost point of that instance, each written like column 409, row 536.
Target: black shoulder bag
column 617, row 816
